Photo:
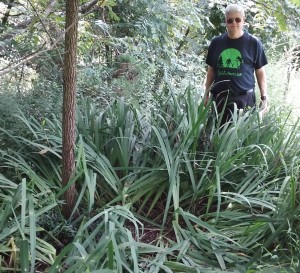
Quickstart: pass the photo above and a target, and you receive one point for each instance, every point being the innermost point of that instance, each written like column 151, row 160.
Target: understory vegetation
column 164, row 192
column 161, row 186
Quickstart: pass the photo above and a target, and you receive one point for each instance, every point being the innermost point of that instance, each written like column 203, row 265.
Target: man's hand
column 263, row 108
column 206, row 98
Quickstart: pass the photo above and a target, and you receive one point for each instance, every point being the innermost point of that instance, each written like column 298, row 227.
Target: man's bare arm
column 261, row 77
column 208, row 82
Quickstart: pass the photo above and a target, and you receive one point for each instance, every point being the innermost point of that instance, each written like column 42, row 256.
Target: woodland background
column 110, row 162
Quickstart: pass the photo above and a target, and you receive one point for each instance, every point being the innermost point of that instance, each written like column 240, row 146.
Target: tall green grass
column 168, row 191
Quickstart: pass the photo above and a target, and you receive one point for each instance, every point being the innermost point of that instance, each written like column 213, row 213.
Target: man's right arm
column 209, row 80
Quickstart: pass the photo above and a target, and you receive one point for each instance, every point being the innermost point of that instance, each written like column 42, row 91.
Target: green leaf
column 32, row 233
column 281, row 21
column 110, row 250
column 103, row 271
column 24, row 256
column 296, row 2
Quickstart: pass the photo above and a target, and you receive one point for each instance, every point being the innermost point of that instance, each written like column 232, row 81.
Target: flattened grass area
column 166, row 191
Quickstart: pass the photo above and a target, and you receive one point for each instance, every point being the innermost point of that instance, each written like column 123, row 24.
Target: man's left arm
column 261, row 77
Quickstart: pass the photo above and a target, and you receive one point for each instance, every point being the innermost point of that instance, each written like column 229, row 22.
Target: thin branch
column 183, row 41
column 47, row 11
column 84, row 9
column 27, row 22
column 23, row 60
column 6, row 15
column 33, row 55
column 88, row 6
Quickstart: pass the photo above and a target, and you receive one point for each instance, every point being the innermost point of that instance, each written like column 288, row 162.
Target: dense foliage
column 171, row 190
column 160, row 186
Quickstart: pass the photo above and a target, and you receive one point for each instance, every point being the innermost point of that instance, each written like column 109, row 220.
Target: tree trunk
column 6, row 15
column 69, row 103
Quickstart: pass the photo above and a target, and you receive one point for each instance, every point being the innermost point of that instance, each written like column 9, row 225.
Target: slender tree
column 69, row 102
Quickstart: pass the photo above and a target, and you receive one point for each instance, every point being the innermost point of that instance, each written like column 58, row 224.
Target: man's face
column 234, row 22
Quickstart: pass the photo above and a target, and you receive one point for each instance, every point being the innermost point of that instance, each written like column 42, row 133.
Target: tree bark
column 85, row 8
column 6, row 15
column 69, row 103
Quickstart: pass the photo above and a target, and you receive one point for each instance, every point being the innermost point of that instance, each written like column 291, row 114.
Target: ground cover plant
column 168, row 191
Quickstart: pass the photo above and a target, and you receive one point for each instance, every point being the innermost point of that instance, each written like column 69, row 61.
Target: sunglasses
column 231, row 20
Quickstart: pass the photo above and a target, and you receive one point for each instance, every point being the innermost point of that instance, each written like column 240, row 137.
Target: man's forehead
column 233, row 13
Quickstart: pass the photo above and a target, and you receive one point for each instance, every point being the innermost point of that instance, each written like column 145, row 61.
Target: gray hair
column 234, row 8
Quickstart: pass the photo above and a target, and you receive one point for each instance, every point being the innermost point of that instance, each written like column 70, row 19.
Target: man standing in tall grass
column 233, row 58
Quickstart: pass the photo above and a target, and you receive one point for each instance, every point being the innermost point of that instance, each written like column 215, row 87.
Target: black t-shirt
column 234, row 61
